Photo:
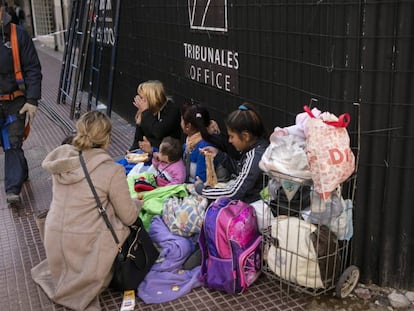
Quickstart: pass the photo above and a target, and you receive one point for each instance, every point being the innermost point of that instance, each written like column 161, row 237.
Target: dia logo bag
column 328, row 150
column 230, row 244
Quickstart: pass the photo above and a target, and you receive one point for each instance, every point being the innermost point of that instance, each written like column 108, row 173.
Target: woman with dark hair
column 248, row 135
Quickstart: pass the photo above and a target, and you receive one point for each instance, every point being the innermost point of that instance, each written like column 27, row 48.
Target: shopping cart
column 306, row 240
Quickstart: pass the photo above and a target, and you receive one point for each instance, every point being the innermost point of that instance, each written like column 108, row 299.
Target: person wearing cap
column 19, row 93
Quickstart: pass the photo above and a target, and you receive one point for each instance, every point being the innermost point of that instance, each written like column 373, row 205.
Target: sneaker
column 12, row 198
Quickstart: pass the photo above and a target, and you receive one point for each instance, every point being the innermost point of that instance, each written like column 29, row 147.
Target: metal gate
column 280, row 54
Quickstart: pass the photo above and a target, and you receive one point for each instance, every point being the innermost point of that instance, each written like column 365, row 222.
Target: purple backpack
column 230, row 245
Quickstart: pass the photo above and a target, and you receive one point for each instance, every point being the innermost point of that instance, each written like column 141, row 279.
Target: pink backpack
column 230, row 244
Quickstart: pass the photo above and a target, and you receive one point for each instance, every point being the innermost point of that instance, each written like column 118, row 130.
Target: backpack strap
column 16, row 57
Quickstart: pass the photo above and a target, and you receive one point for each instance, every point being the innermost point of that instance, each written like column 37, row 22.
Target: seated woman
column 80, row 249
column 247, row 134
column 201, row 132
column 156, row 118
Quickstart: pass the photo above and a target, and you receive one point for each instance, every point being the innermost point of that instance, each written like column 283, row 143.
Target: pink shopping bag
column 328, row 151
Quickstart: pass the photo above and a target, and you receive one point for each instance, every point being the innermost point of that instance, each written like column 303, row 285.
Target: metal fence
column 278, row 55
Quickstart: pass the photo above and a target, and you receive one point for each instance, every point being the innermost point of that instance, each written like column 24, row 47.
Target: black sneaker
column 12, row 198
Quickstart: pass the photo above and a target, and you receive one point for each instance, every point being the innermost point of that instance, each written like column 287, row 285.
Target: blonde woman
column 157, row 116
column 80, row 250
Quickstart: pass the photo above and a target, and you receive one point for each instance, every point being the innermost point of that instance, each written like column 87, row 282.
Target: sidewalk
column 20, row 244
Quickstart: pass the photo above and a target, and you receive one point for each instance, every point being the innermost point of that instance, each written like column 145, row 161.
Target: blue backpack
column 230, row 245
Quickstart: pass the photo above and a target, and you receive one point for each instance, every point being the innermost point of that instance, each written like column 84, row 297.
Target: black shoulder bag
column 136, row 256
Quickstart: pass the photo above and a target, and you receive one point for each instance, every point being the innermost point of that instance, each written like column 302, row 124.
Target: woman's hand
column 136, row 101
column 209, row 150
column 139, row 202
column 141, row 103
column 145, row 145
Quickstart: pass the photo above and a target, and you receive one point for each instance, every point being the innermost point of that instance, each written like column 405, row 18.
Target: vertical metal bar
column 87, row 36
column 101, row 42
column 113, row 58
column 92, row 67
column 75, row 108
column 67, row 54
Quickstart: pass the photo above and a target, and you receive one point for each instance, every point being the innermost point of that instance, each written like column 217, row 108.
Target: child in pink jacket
column 170, row 168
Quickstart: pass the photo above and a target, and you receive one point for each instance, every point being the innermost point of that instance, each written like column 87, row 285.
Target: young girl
column 201, row 132
column 170, row 168
column 247, row 134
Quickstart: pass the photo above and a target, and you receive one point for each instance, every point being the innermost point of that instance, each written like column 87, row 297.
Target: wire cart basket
column 306, row 240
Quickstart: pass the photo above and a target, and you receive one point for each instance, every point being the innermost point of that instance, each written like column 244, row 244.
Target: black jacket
column 156, row 127
column 249, row 181
column 29, row 62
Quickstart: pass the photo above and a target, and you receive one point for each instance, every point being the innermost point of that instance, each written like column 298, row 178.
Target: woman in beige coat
column 80, row 249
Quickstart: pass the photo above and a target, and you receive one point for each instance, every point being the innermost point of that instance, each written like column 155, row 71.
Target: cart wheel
column 347, row 282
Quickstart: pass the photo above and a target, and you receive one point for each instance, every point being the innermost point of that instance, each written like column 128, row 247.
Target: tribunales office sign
column 218, row 68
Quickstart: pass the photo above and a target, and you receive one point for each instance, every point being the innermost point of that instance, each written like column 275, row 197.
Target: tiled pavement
column 20, row 244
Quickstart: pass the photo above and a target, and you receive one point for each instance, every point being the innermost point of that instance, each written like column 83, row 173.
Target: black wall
column 339, row 52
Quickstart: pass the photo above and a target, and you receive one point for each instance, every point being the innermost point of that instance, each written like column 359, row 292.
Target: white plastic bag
column 263, row 214
column 141, row 168
column 286, row 154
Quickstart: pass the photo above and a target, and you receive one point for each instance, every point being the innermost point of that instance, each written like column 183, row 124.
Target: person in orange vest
column 20, row 89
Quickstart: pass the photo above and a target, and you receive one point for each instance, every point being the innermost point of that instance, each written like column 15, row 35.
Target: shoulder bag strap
column 101, row 209
column 16, row 57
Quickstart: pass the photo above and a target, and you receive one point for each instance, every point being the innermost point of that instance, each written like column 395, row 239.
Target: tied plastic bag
column 328, row 151
column 286, row 154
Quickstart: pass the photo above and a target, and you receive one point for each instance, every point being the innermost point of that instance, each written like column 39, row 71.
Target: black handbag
column 135, row 259
column 136, row 256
